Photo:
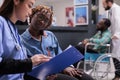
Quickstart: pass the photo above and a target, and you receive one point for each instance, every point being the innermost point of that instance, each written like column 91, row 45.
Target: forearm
column 103, row 40
column 11, row 66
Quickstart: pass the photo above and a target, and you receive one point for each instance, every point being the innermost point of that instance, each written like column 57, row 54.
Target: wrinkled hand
column 85, row 41
column 73, row 71
column 51, row 77
column 39, row 58
column 114, row 37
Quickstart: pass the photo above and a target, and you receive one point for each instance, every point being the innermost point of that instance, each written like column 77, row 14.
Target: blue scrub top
column 48, row 45
column 10, row 46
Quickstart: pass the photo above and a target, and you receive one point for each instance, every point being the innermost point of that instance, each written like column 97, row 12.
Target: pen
column 48, row 52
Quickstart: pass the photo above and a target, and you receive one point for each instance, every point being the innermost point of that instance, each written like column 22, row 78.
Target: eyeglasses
column 43, row 17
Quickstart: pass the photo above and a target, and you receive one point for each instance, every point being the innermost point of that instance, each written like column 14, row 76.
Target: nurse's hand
column 39, row 58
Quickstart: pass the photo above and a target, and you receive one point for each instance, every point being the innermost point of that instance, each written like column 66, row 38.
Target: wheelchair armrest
column 90, row 44
column 107, row 45
column 95, row 44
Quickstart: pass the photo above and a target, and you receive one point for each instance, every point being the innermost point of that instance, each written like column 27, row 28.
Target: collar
column 29, row 36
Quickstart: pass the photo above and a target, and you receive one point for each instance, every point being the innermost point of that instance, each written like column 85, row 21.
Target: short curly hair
column 42, row 8
column 107, row 22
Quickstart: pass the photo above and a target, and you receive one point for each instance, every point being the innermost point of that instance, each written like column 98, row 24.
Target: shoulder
column 2, row 21
column 98, row 32
column 107, row 32
column 115, row 7
column 2, row 18
column 49, row 32
column 26, row 35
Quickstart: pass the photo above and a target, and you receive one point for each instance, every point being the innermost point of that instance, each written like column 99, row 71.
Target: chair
column 96, row 61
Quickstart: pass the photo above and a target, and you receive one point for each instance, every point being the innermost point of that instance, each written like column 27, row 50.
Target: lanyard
column 15, row 36
column 15, row 30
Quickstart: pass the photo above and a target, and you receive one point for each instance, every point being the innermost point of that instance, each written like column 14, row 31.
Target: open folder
column 57, row 63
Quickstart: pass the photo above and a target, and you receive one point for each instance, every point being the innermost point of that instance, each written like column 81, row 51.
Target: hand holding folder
column 57, row 64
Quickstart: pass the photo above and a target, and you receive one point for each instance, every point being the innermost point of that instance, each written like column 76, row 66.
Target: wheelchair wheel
column 102, row 67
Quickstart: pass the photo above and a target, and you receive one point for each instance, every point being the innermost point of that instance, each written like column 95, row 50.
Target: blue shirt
column 10, row 46
column 48, row 45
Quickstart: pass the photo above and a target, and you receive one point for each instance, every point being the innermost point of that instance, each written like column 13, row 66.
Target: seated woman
column 38, row 40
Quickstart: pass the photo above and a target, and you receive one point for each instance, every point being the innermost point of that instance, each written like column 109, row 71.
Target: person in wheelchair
column 103, row 36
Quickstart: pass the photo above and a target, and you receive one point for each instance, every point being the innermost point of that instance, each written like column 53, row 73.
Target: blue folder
column 57, row 64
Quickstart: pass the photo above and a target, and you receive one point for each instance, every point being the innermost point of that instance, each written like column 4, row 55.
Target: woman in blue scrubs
column 38, row 40
column 13, row 56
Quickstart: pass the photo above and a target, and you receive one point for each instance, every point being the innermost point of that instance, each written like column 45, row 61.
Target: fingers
column 79, row 71
column 73, row 72
column 39, row 58
column 51, row 77
column 44, row 58
column 76, row 72
column 114, row 37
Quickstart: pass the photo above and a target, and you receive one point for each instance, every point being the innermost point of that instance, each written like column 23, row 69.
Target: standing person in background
column 13, row 56
column 114, row 16
column 38, row 40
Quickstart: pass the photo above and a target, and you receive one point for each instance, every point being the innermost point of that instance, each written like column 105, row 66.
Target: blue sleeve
column 1, row 46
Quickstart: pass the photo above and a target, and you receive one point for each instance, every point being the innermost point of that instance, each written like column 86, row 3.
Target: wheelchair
column 100, row 63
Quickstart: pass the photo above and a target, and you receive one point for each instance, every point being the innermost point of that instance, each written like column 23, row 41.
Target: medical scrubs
column 11, row 50
column 48, row 45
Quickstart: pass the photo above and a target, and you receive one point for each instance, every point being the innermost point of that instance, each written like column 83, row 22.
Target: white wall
column 117, row 1
column 60, row 5
column 59, row 10
column 1, row 1
column 101, row 9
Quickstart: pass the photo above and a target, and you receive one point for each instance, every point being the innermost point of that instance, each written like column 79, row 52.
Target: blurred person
column 103, row 36
column 13, row 56
column 114, row 16
column 38, row 40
